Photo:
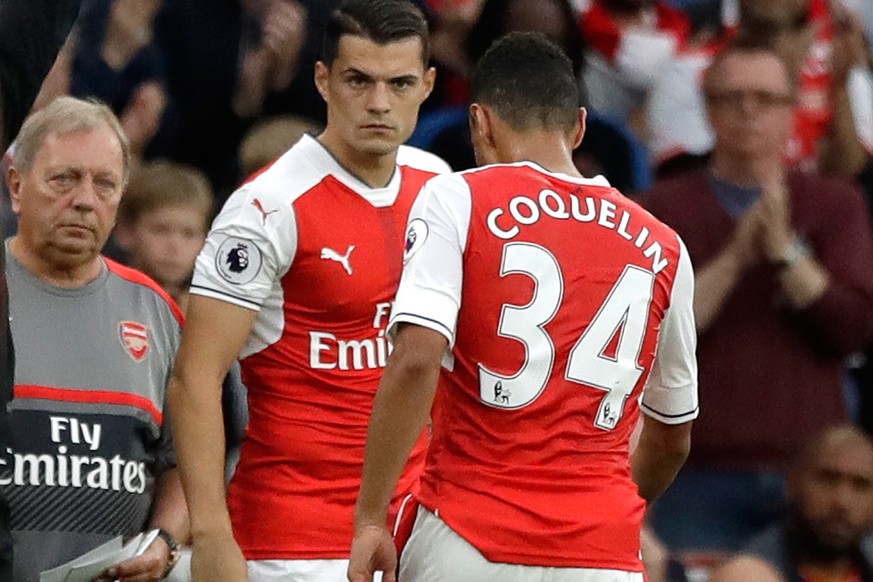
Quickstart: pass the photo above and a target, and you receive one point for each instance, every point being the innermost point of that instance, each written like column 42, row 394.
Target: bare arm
column 169, row 510
column 714, row 284
column 844, row 154
column 214, row 334
column 660, row 454
column 715, row 281
column 400, row 412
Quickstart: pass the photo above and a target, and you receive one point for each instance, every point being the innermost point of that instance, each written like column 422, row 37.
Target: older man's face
column 67, row 202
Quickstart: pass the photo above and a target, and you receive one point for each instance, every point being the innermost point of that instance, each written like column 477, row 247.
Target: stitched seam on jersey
column 643, row 405
column 421, row 317
column 210, row 290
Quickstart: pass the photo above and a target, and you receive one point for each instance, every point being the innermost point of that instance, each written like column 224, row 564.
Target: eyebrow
column 404, row 77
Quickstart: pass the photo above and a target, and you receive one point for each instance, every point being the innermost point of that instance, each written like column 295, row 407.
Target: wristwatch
column 793, row 254
column 175, row 551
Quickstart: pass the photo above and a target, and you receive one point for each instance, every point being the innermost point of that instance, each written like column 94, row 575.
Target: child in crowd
column 162, row 224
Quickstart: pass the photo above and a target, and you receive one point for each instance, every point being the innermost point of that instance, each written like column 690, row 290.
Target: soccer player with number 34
column 538, row 313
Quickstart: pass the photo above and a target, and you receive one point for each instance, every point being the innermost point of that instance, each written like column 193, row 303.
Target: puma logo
column 264, row 214
column 332, row 255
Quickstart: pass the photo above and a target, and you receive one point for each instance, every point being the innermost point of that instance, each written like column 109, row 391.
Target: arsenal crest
column 135, row 339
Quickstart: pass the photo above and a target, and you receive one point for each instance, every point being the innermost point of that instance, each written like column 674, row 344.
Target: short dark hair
column 529, row 82
column 381, row 21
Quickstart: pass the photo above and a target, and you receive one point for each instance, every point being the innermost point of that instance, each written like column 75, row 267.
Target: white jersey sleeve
column 436, row 235
column 250, row 247
column 670, row 395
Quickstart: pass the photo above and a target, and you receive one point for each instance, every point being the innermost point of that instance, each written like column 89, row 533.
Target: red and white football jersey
column 561, row 300
column 318, row 254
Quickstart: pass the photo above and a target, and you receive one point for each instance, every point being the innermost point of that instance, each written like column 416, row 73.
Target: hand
column 777, row 234
column 849, row 46
column 284, row 31
column 746, row 242
column 148, row 566
column 217, row 558
column 141, row 118
column 129, row 30
column 372, row 551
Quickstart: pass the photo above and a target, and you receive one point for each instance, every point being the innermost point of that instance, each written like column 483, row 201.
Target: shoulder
column 417, row 159
column 672, row 199
column 146, row 283
column 676, row 187
column 823, row 189
column 287, row 178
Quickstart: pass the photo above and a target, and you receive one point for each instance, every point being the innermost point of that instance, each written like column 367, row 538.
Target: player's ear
column 429, row 79
column 579, row 130
column 480, row 124
column 322, row 72
column 13, row 183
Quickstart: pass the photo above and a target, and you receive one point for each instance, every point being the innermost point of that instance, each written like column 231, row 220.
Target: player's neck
column 543, row 149
column 373, row 169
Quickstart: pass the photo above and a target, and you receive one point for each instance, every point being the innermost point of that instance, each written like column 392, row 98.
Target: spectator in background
column 824, row 47
column 31, row 35
column 273, row 36
column 214, row 97
column 628, row 44
column 163, row 220
column 162, row 224
column 784, row 271
column 95, row 345
column 464, row 31
column 116, row 61
column 269, row 139
column 830, row 512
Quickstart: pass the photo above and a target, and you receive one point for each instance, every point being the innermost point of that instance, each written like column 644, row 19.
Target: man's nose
column 380, row 98
column 85, row 194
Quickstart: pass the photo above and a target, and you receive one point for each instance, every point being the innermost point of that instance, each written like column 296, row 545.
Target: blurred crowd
column 746, row 125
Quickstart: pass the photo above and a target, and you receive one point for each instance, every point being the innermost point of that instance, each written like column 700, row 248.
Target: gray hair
column 66, row 115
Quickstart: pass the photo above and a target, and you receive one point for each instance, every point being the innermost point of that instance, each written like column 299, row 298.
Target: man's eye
column 63, row 179
column 403, row 83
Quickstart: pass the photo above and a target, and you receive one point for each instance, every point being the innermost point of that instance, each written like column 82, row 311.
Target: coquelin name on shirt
column 522, row 210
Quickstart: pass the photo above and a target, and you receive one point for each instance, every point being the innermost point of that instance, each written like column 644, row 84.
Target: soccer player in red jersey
column 296, row 279
column 538, row 313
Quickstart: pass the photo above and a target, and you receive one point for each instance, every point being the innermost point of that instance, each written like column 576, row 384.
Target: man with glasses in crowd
column 784, row 277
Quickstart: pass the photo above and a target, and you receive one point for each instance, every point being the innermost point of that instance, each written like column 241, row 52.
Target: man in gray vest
column 91, row 456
